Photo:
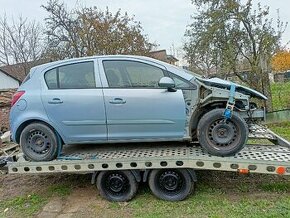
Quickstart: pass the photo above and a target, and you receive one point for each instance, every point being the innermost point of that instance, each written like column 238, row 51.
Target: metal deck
column 266, row 159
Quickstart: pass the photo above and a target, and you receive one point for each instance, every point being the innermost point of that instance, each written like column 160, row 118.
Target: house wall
column 7, row 82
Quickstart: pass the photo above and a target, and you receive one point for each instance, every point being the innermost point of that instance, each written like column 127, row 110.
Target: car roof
column 169, row 67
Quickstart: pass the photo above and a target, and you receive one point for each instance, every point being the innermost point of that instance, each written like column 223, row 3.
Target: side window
column 73, row 76
column 181, row 83
column 132, row 74
column 51, row 79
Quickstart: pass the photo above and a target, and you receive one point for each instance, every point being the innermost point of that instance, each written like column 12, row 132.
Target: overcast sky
column 164, row 21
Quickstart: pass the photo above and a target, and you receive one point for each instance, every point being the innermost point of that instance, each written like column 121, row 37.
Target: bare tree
column 90, row 31
column 21, row 41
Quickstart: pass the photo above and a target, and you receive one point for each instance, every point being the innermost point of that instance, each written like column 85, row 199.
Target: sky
column 164, row 21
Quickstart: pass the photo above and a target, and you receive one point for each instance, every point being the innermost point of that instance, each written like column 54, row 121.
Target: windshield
column 192, row 73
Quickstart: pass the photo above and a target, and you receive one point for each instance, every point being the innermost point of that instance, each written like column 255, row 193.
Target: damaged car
column 128, row 99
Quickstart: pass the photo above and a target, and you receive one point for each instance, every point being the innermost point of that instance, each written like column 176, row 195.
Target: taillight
column 16, row 97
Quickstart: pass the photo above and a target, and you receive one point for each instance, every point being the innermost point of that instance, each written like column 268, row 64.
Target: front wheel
column 222, row 137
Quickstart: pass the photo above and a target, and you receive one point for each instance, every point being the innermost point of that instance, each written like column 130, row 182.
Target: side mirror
column 167, row 82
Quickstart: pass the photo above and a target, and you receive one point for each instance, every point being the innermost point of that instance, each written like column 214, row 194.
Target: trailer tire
column 171, row 184
column 222, row 137
column 117, row 185
column 38, row 142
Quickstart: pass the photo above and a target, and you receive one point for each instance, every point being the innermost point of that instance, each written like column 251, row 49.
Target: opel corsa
column 122, row 99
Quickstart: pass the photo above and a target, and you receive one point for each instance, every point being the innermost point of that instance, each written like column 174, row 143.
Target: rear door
column 137, row 108
column 73, row 99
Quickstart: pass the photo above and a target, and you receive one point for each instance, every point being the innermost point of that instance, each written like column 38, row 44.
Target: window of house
column 132, row 74
column 73, row 76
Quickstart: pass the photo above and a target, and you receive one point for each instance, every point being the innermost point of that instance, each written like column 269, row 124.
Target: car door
column 136, row 107
column 73, row 100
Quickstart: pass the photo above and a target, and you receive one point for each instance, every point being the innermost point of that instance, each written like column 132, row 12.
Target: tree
column 237, row 37
column 89, row 31
column 281, row 61
column 20, row 42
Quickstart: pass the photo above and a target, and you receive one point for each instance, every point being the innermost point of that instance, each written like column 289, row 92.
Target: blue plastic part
column 232, row 94
column 227, row 113
column 231, row 102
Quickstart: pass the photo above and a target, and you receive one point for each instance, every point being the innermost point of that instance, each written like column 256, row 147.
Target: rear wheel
column 171, row 184
column 38, row 142
column 117, row 185
column 222, row 137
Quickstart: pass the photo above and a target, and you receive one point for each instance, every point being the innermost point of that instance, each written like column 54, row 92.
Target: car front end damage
column 216, row 92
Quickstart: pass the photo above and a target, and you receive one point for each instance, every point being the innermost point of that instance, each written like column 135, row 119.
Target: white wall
column 7, row 82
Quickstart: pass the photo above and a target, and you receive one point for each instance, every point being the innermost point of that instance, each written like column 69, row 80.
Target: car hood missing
column 220, row 83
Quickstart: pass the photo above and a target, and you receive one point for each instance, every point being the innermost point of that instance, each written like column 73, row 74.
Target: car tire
column 171, row 184
column 38, row 142
column 220, row 136
column 117, row 186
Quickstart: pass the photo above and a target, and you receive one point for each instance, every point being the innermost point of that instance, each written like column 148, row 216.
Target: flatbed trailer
column 170, row 162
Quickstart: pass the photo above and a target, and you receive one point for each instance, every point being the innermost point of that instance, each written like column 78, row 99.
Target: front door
column 136, row 107
column 73, row 100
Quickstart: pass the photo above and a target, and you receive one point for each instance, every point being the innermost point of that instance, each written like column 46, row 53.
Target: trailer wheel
column 117, row 185
column 222, row 137
column 38, row 142
column 171, row 184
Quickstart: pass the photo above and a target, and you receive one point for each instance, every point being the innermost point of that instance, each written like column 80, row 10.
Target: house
column 282, row 77
column 163, row 56
column 8, row 81
column 11, row 77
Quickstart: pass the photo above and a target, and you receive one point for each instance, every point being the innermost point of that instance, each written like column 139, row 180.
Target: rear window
column 73, row 76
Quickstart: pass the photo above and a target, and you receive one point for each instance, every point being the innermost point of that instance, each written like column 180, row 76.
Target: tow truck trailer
column 169, row 168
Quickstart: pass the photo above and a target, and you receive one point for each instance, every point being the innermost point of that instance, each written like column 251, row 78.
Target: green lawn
column 282, row 129
column 280, row 95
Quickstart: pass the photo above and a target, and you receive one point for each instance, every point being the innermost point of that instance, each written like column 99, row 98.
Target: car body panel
column 148, row 113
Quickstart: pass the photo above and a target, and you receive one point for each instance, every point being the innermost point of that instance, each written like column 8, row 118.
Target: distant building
column 8, row 81
column 282, row 77
column 163, row 56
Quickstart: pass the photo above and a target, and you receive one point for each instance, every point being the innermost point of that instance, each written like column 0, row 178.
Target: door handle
column 55, row 101
column 117, row 101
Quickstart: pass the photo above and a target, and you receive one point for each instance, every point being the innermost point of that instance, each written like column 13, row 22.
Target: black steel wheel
column 222, row 137
column 117, row 185
column 38, row 142
column 171, row 184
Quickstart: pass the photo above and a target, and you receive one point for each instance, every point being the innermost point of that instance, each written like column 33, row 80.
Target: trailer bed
column 267, row 159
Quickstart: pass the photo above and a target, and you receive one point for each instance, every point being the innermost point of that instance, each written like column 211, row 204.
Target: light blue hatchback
column 113, row 99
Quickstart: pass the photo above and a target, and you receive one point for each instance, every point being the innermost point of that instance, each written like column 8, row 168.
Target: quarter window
column 181, row 83
column 73, row 76
column 132, row 74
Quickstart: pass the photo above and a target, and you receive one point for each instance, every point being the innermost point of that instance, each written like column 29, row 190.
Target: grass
column 28, row 205
column 205, row 204
column 282, row 129
column 280, row 96
column 24, row 205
